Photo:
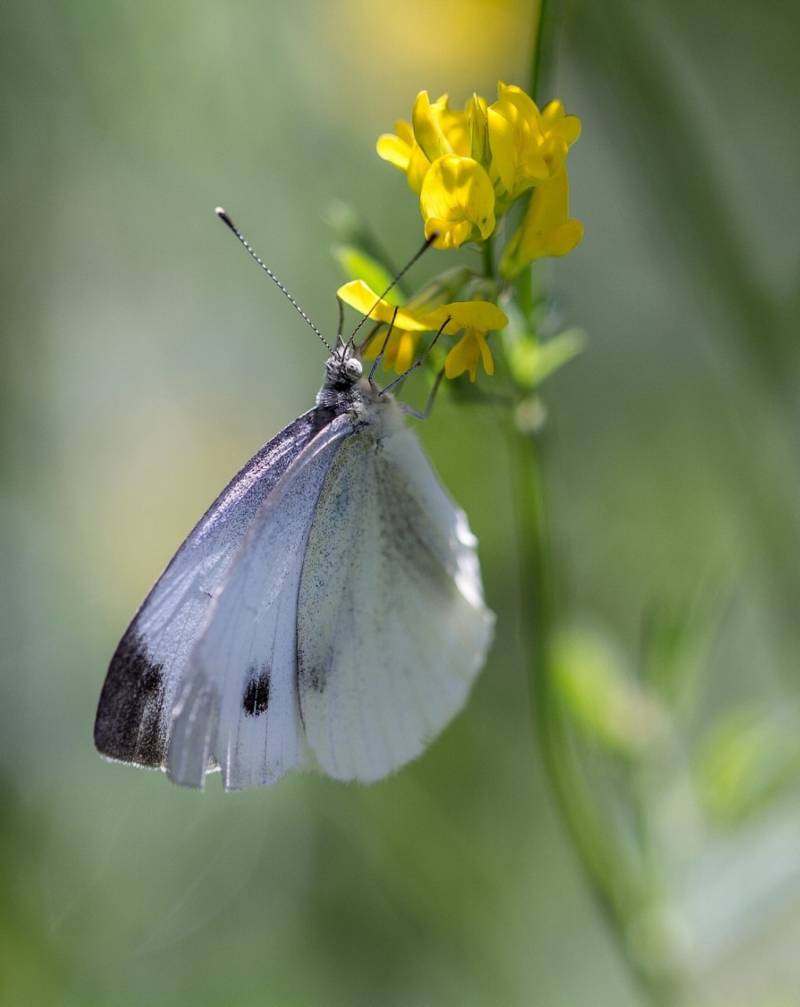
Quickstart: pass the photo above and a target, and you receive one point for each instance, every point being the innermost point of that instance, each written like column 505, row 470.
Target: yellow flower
column 528, row 146
column 546, row 229
column 474, row 318
column 457, row 201
column 362, row 297
column 481, row 315
column 556, row 122
column 437, row 129
column 464, row 356
column 468, row 165
column 403, row 151
column 477, row 118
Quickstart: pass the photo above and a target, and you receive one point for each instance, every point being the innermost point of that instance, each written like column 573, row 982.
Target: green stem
column 487, row 251
column 618, row 891
column 541, row 33
column 526, row 301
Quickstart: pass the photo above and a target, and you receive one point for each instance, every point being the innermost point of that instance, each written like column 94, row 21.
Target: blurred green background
column 143, row 360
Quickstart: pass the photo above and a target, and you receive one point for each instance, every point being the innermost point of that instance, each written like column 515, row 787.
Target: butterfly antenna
column 340, row 326
column 396, row 280
column 223, row 216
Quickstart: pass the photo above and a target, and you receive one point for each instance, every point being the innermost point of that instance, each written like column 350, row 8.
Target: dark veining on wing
column 310, row 676
column 263, row 471
column 313, row 673
column 256, row 693
column 129, row 717
column 408, row 536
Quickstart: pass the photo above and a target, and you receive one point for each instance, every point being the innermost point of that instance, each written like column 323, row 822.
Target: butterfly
column 325, row 614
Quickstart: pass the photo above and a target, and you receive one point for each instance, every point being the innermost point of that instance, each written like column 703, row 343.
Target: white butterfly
column 325, row 614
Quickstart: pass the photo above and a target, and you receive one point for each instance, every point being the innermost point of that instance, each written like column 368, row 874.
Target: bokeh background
column 144, row 359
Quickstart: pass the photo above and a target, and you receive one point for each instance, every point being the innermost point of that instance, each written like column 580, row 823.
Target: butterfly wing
column 134, row 713
column 392, row 628
column 238, row 708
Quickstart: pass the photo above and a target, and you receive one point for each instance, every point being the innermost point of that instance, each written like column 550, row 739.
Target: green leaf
column 532, row 362
column 750, row 758
column 679, row 638
column 357, row 265
column 351, row 230
column 450, row 285
column 605, row 702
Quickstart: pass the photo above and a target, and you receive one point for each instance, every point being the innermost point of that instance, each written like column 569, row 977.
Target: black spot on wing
column 129, row 724
column 256, row 693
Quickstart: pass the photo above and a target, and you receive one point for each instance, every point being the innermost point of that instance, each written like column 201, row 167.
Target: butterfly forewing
column 238, row 708
column 134, row 713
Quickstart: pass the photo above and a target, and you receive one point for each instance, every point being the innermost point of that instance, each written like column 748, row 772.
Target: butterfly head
column 343, row 369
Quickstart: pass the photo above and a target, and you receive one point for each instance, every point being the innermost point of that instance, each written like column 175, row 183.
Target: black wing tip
column 129, row 725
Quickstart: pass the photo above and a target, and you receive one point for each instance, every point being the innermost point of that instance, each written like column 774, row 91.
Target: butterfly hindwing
column 134, row 713
column 238, row 708
column 392, row 627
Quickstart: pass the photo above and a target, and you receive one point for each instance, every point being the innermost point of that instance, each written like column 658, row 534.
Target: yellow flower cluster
column 474, row 319
column 468, row 166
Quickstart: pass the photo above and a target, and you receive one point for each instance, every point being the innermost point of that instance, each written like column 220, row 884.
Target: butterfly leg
column 424, row 413
column 417, row 363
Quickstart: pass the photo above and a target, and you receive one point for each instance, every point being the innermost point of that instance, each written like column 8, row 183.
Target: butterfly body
column 326, row 613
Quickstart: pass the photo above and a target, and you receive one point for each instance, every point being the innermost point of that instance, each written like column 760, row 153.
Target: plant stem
column 619, row 891
column 537, row 625
column 541, row 33
column 526, row 301
column 487, row 251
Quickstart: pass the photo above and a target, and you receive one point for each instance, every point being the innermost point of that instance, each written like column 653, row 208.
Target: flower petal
column 417, row 169
column 406, row 348
column 477, row 116
column 457, row 201
column 486, row 354
column 358, row 295
column 556, row 121
column 516, row 140
column 459, row 359
column 405, row 131
column 546, row 229
column 481, row 315
column 465, row 356
column 395, row 150
column 502, row 140
column 448, row 233
column 516, row 96
column 427, row 128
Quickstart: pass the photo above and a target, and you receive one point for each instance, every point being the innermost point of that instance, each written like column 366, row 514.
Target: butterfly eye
column 352, row 368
